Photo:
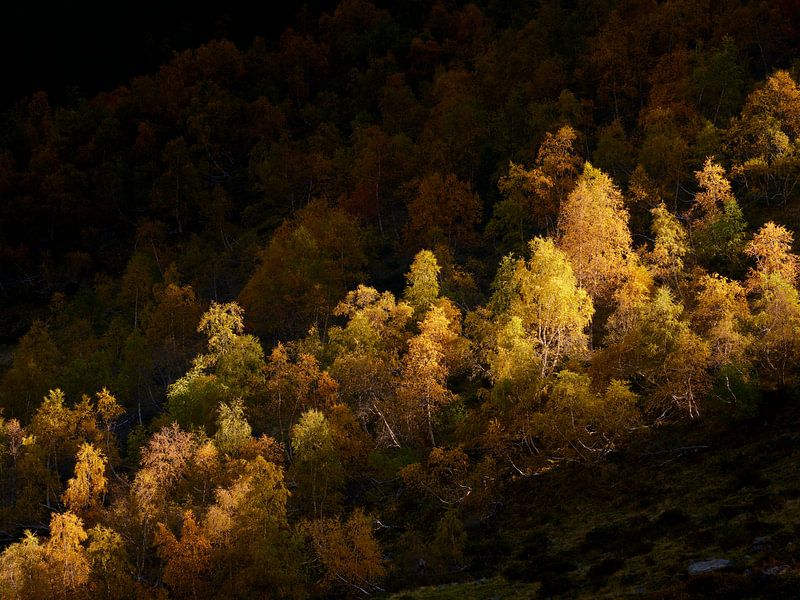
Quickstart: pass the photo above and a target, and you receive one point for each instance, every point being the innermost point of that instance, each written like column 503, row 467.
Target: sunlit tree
column 578, row 423
column 233, row 367
column 771, row 249
column 764, row 139
column 533, row 197
column 593, row 232
column 24, row 571
column 111, row 570
column 66, row 554
column 670, row 246
column 776, row 318
column 422, row 282
column 86, row 490
column 233, row 430
column 422, row 389
column 662, row 356
column 367, row 351
column 541, row 311
column 718, row 224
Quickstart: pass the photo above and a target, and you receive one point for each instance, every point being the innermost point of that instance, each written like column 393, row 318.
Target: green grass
column 632, row 525
column 485, row 589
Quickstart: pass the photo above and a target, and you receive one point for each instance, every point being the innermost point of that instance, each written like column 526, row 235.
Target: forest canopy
column 282, row 320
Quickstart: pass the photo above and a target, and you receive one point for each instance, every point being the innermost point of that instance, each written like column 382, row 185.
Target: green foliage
column 739, row 392
column 721, row 241
column 233, row 430
column 233, row 369
column 776, row 321
column 376, row 323
column 545, row 313
column 447, row 547
column 718, row 82
column 662, row 356
column 664, row 149
column 671, row 243
column 577, row 423
column 222, row 325
column 111, row 569
column 192, row 399
column 422, row 282
column 315, row 465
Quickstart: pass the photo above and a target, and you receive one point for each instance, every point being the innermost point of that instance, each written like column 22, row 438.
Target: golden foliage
column 443, row 477
column 422, row 282
column 593, row 232
column 422, row 389
column 85, row 492
column 771, row 248
column 544, row 312
column 722, row 316
column 671, row 244
column 66, row 554
column 349, row 554
column 187, row 561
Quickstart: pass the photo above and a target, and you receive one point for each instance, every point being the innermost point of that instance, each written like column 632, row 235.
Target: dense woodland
column 284, row 320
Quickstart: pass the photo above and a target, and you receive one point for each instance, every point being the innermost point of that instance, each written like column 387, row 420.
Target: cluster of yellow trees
column 244, row 484
column 226, row 496
column 584, row 338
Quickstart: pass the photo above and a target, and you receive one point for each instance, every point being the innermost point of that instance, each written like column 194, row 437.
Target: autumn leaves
column 244, row 483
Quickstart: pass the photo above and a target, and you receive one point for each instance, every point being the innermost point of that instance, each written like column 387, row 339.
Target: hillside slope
column 633, row 526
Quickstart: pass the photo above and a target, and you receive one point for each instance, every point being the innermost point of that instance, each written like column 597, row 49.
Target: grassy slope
column 632, row 525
